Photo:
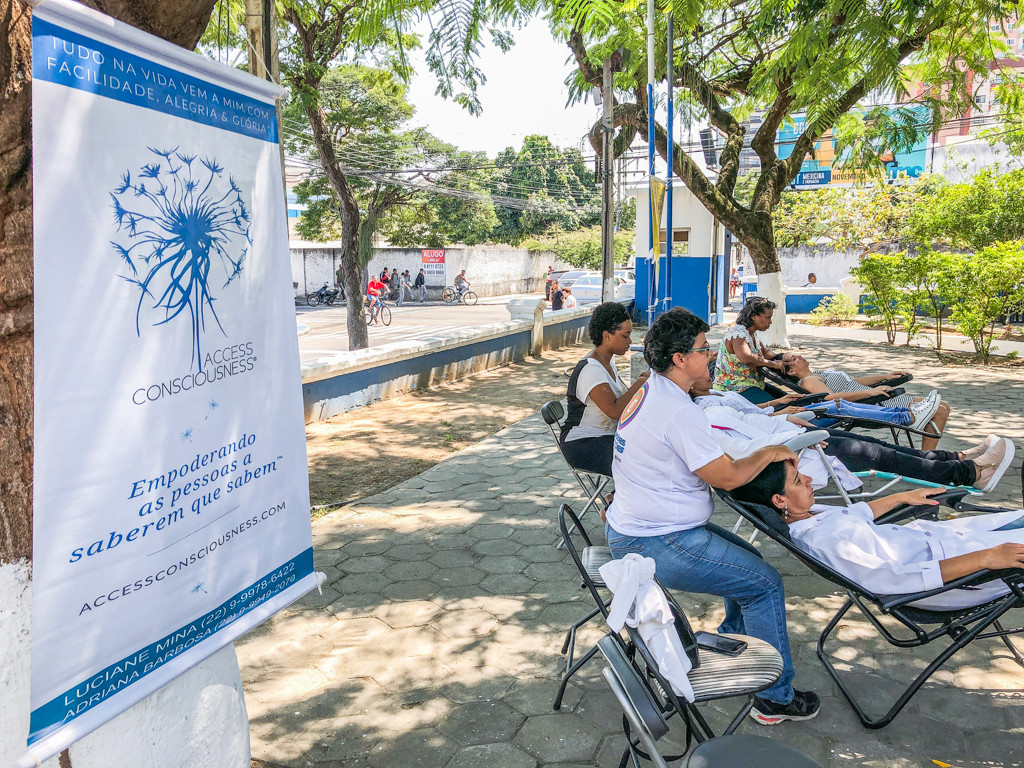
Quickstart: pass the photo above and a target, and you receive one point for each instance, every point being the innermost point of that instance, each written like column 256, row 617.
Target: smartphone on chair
column 720, row 643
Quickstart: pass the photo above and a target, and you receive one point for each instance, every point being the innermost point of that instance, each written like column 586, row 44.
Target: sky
column 524, row 94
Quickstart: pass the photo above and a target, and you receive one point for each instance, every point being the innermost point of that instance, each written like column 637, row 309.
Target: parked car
column 626, row 274
column 587, row 289
column 568, row 279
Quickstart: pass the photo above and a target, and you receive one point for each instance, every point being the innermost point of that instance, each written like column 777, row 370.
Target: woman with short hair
column 596, row 394
column 666, row 457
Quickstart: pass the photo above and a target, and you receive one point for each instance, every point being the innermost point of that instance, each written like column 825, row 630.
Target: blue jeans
column 899, row 416
column 714, row 561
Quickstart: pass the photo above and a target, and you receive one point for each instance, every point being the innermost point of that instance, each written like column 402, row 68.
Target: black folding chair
column 714, row 675
column 588, row 561
column 592, row 483
column 644, row 724
column 962, row 626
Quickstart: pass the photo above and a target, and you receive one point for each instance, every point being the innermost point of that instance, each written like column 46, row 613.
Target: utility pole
column 607, row 230
column 264, row 62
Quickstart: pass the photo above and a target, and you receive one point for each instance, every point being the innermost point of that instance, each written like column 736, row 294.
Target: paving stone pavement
column 436, row 639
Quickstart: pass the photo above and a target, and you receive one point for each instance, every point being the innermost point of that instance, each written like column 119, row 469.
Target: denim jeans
column 900, row 416
column 714, row 561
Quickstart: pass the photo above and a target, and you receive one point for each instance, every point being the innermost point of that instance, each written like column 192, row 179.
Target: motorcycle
column 324, row 295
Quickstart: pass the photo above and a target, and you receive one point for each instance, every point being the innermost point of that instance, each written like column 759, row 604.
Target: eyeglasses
column 705, row 350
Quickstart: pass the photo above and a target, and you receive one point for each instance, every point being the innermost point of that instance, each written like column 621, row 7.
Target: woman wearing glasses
column 665, row 459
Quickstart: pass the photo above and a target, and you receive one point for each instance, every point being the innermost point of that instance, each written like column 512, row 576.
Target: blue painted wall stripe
column 350, row 383
column 72, row 59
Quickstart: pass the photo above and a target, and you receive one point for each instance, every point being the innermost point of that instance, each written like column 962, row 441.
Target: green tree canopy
column 750, row 68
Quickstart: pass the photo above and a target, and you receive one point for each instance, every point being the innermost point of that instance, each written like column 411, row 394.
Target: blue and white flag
column 171, row 491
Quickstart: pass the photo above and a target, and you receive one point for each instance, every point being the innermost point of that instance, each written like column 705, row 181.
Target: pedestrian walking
column 384, row 275
column 404, row 287
column 421, row 286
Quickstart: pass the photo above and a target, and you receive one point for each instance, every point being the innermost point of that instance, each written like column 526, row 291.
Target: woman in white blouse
column 596, row 394
column 891, row 559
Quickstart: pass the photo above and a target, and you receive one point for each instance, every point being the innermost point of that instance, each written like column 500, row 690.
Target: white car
column 587, row 289
column 626, row 274
column 569, row 278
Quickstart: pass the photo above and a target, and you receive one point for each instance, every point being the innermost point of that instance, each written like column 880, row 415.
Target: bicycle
column 382, row 312
column 450, row 295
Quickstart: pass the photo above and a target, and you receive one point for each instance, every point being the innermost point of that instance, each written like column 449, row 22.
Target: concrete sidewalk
column 436, row 639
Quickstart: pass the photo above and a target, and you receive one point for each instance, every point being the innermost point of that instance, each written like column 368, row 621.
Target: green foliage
column 987, row 209
column 582, row 248
column 773, row 61
column 978, row 289
column 833, row 310
column 985, row 287
column 860, row 218
column 880, row 275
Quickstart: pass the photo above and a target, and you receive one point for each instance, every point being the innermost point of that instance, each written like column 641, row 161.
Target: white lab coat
column 639, row 602
column 740, row 434
column 894, row 559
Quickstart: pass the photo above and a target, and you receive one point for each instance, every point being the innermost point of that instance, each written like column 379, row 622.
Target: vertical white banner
column 171, row 491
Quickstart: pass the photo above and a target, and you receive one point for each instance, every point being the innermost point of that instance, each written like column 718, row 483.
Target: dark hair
column 756, row 305
column 606, row 317
column 674, row 331
column 810, row 275
column 768, row 482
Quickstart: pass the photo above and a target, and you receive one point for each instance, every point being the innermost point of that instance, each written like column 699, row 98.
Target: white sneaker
column 993, row 463
column 924, row 410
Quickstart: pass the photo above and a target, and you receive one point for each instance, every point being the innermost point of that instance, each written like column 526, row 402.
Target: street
column 328, row 331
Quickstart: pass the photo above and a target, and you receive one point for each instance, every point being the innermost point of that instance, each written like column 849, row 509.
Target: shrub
column 833, row 310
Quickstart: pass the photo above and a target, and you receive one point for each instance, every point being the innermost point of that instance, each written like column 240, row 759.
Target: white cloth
column 740, row 434
column 569, row 302
column 639, row 602
column 595, row 422
column 730, row 399
column 901, row 559
column 662, row 438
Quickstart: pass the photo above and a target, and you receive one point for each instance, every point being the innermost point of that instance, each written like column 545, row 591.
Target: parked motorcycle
column 325, row 295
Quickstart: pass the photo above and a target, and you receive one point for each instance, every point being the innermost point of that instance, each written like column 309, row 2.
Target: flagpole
column 651, row 284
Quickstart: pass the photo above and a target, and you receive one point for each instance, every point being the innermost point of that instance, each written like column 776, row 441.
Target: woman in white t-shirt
column 666, row 457
column 596, row 394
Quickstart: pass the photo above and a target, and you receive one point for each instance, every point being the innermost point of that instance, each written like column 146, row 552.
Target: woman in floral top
column 742, row 355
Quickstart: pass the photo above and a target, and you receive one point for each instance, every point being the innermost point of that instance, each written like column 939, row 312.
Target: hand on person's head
column 782, row 453
column 1009, row 555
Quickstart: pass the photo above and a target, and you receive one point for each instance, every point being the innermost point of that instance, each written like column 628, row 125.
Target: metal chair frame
column 961, row 626
column 592, row 483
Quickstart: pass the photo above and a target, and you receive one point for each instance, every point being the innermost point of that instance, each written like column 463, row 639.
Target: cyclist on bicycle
column 373, row 293
column 461, row 283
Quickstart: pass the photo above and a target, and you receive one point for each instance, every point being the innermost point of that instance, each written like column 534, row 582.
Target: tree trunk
column 348, row 215
column 181, row 22
column 760, row 241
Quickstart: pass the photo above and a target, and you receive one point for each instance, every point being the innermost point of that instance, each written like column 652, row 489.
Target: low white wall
column 197, row 720
column 344, row 381
column 492, row 270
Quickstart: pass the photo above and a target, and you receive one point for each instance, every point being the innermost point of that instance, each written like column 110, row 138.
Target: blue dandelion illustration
column 199, row 588
column 186, row 436
column 181, row 224
column 214, row 405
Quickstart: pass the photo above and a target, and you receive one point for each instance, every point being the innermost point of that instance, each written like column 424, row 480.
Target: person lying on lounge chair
column 981, row 467
column 841, row 385
column 893, row 559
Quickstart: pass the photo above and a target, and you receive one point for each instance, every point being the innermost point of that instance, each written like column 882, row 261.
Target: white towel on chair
column 639, row 602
